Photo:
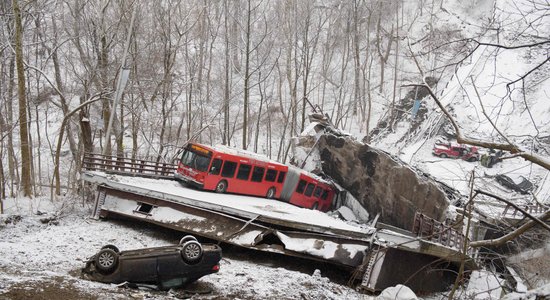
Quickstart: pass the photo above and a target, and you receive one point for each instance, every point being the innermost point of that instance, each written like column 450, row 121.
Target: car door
column 139, row 268
column 455, row 151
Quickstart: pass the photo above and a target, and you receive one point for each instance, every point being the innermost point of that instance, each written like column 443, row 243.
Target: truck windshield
column 195, row 161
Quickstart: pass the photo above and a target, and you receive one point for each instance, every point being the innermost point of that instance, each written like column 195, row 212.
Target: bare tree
column 26, row 180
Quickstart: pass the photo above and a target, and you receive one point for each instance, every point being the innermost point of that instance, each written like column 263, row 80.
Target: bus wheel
column 270, row 193
column 221, row 187
column 315, row 206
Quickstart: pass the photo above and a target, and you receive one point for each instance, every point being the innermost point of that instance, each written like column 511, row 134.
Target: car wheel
column 112, row 247
column 472, row 159
column 443, row 155
column 221, row 187
column 191, row 251
column 270, row 193
column 106, row 260
column 315, row 206
column 187, row 238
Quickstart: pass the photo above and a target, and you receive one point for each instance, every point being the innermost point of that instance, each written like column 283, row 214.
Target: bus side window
column 325, row 195
column 281, row 177
column 270, row 175
column 301, row 186
column 317, row 193
column 228, row 169
column 309, row 189
column 244, row 172
column 216, row 166
column 258, row 174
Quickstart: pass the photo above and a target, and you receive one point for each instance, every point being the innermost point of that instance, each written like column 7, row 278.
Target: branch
column 513, row 47
column 530, row 216
column 485, row 113
column 526, row 74
column 511, row 235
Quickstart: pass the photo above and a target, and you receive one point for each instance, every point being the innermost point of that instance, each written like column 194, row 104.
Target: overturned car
column 166, row 267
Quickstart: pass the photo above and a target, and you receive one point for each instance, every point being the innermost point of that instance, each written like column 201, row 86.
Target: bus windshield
column 195, row 161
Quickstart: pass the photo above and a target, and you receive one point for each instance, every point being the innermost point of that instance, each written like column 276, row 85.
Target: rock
column 379, row 182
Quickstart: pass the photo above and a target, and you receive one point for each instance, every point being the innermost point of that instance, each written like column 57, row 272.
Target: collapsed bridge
column 382, row 255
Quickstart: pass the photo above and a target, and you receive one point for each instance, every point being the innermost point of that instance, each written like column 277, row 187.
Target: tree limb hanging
column 511, row 235
column 528, row 215
column 539, row 160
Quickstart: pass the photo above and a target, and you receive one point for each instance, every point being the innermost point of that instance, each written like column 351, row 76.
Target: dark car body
column 166, row 267
column 445, row 150
column 520, row 184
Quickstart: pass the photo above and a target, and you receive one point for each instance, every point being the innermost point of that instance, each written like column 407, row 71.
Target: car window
column 301, row 187
column 281, row 177
column 270, row 175
column 325, row 195
column 216, row 166
column 244, row 171
column 258, row 174
column 309, row 189
column 228, row 169
column 317, row 192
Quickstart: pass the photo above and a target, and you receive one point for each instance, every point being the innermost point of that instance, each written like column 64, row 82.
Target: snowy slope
column 478, row 92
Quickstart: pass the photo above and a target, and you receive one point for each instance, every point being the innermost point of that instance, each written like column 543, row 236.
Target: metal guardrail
column 513, row 213
column 435, row 231
column 127, row 166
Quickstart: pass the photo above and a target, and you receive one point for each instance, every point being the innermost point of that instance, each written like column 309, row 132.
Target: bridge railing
column 127, row 166
column 514, row 213
column 435, row 231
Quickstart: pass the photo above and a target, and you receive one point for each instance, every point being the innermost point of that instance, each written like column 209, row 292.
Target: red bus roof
column 238, row 152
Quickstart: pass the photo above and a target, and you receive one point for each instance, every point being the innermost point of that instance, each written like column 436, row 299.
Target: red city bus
column 228, row 170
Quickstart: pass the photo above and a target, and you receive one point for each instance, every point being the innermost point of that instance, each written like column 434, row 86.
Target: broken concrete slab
column 381, row 183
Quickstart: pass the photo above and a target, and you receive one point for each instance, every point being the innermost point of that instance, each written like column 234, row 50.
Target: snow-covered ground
column 41, row 259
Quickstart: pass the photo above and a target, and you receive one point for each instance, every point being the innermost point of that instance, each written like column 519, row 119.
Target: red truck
column 445, row 150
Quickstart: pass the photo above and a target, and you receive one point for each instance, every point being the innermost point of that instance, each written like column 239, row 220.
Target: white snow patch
column 484, row 285
column 398, row 292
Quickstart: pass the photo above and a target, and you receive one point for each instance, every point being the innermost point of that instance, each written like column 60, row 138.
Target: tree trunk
column 356, row 58
column 106, row 111
column 226, row 91
column 2, row 175
column 259, row 117
column 246, row 78
column 383, row 56
column 26, row 181
column 392, row 114
column 12, row 163
column 85, row 128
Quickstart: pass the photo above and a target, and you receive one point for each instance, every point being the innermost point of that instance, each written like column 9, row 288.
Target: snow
column 347, row 214
column 316, row 247
column 484, row 285
column 539, row 293
column 247, row 238
column 33, row 253
column 398, row 292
